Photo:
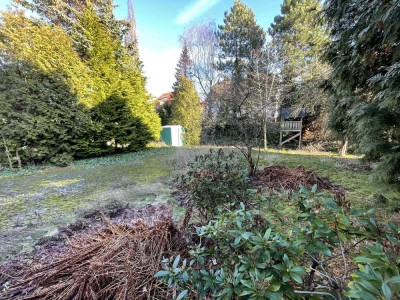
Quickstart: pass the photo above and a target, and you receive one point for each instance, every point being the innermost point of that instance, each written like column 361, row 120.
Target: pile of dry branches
column 117, row 262
column 278, row 178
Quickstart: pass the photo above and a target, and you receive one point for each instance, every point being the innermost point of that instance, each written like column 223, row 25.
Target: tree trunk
column 343, row 147
column 265, row 135
column 7, row 151
column 250, row 163
column 18, row 159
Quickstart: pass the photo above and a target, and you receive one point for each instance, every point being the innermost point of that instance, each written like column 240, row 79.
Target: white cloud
column 159, row 68
column 194, row 11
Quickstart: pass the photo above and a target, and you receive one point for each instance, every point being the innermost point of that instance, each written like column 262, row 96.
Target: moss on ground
column 59, row 183
column 35, row 201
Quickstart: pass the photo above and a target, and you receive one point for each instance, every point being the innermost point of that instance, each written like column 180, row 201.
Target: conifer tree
column 365, row 57
column 103, row 72
column 186, row 110
column 300, row 34
column 242, row 43
column 40, row 118
column 240, row 39
column 184, row 67
column 66, row 14
column 45, row 47
column 100, row 57
column 117, row 76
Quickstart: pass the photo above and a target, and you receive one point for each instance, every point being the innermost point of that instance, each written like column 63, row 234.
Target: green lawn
column 35, row 202
column 362, row 191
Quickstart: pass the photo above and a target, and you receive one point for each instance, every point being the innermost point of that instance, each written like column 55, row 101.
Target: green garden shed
column 173, row 135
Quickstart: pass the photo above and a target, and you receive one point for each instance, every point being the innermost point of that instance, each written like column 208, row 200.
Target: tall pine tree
column 300, row 34
column 242, row 43
column 240, row 39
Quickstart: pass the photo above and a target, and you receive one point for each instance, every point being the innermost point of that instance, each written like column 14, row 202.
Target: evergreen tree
column 365, row 56
column 242, row 43
column 184, row 67
column 300, row 34
column 100, row 57
column 116, row 73
column 103, row 72
column 240, row 39
column 165, row 113
column 66, row 14
column 45, row 47
column 116, row 129
column 40, row 118
column 133, row 88
column 186, row 110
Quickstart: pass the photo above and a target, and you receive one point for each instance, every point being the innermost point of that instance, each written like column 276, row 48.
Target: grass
column 362, row 191
column 36, row 201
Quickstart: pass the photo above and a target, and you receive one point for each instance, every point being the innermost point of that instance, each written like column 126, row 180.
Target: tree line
column 70, row 87
column 337, row 60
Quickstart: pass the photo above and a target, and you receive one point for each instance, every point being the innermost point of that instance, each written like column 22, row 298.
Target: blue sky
column 160, row 22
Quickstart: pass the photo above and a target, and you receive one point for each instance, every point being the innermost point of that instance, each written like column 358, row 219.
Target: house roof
column 287, row 113
column 165, row 98
column 168, row 95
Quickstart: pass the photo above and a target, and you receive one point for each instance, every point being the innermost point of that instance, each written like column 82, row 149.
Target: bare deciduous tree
column 203, row 47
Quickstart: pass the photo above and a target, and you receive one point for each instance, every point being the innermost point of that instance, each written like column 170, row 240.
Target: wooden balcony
column 286, row 128
column 294, row 126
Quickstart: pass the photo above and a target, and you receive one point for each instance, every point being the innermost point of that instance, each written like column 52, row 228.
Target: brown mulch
column 112, row 259
column 279, row 178
column 355, row 166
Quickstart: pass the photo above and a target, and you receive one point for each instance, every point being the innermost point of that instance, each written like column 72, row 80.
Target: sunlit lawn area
column 36, row 201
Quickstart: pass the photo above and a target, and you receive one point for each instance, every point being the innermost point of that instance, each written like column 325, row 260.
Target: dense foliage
column 304, row 246
column 213, row 180
column 165, row 112
column 300, row 35
column 365, row 56
column 116, row 73
column 40, row 118
column 66, row 13
column 46, row 48
column 114, row 130
column 78, row 49
column 186, row 110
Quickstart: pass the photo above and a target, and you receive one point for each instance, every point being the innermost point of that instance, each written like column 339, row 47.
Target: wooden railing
column 291, row 125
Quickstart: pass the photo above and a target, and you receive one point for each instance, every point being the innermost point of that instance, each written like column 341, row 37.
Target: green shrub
column 290, row 249
column 214, row 179
column 62, row 160
column 39, row 118
column 114, row 130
